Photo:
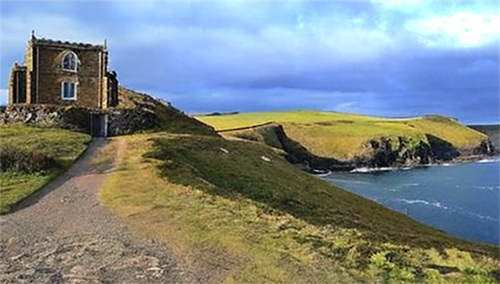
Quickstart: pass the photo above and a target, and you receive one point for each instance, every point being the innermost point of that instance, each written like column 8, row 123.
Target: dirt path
column 63, row 235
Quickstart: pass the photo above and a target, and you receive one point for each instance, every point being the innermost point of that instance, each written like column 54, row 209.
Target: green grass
column 222, row 122
column 62, row 145
column 342, row 136
column 254, row 220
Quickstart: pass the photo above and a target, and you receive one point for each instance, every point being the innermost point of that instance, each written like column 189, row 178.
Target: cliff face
column 493, row 132
column 388, row 152
column 298, row 154
column 377, row 152
column 403, row 152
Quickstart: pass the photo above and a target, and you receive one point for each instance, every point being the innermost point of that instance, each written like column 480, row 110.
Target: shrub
column 22, row 160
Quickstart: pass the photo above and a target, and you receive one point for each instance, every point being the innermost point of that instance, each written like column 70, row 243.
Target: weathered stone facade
column 64, row 73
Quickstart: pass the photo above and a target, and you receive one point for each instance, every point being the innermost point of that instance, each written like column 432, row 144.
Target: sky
column 383, row 58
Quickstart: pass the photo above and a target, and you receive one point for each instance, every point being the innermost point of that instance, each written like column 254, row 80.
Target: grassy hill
column 241, row 211
column 30, row 157
column 345, row 136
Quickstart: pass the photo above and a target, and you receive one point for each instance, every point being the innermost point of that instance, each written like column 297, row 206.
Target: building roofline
column 66, row 44
column 19, row 67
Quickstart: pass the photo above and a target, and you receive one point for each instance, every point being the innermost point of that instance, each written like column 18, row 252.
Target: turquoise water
column 462, row 199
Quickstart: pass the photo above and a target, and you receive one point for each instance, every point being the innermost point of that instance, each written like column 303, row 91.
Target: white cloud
column 460, row 29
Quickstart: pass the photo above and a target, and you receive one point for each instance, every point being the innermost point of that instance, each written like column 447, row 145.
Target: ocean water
column 461, row 199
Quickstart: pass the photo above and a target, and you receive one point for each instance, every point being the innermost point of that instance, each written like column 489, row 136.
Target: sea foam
column 424, row 202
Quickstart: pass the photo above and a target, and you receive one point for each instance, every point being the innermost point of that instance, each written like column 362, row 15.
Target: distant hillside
column 491, row 130
column 354, row 140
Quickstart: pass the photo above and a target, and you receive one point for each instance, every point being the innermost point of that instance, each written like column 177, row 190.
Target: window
column 70, row 62
column 68, row 91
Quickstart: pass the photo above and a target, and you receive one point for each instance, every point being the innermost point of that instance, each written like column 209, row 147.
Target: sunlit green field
column 63, row 146
column 342, row 136
column 223, row 122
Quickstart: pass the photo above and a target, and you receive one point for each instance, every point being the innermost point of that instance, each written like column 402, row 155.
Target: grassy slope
column 63, row 145
column 341, row 136
column 168, row 117
column 245, row 219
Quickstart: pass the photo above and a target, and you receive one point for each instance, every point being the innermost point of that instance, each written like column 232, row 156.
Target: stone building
column 64, row 73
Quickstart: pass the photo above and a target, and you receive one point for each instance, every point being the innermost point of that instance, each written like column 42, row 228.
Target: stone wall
column 17, row 84
column 111, row 88
column 128, row 121
column 28, row 60
column 74, row 118
column 120, row 121
column 136, row 112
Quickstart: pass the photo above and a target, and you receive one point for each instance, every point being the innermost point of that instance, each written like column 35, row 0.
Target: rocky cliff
column 493, row 132
column 405, row 152
column 377, row 152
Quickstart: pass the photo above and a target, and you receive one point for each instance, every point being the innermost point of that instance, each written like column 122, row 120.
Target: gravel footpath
column 62, row 235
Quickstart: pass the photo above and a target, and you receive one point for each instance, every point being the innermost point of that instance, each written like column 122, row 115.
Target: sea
column 461, row 199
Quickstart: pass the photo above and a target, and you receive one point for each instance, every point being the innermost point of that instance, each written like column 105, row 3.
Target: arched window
column 70, row 62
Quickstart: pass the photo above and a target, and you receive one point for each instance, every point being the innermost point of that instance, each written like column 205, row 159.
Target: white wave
column 323, row 174
column 461, row 210
column 440, row 205
column 391, row 189
column 428, row 203
column 412, row 168
column 410, row 184
column 371, row 170
column 349, row 181
column 494, row 160
column 361, row 170
column 482, row 216
column 485, row 187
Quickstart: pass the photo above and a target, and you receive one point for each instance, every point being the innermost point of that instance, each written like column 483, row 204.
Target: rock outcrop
column 138, row 111
column 378, row 152
column 390, row 152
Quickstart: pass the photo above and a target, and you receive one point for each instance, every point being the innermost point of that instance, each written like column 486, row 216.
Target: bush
column 21, row 160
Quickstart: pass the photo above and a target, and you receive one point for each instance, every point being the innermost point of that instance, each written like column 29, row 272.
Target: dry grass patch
column 106, row 155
